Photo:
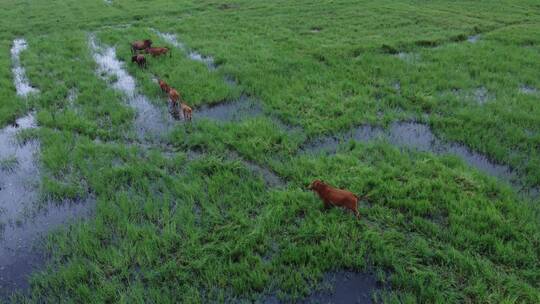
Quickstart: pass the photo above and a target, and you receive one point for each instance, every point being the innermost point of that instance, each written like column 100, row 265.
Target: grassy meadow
column 185, row 220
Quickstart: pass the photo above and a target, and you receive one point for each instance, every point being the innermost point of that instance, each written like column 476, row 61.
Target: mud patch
column 417, row 136
column 473, row 38
column 21, row 82
column 346, row 287
column 23, row 225
column 193, row 55
column 150, row 122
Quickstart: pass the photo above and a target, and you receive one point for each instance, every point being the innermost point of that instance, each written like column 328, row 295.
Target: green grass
column 8, row 163
column 170, row 228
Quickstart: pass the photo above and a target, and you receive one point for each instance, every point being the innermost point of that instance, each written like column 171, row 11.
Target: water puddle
column 330, row 144
column 193, row 55
column 473, row 38
column 150, row 122
column 408, row 57
column 413, row 135
column 21, row 225
column 237, row 110
column 21, row 242
column 346, row 287
column 481, row 95
column 22, row 84
column 525, row 89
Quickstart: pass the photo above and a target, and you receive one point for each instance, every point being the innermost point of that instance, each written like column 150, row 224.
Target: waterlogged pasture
column 432, row 109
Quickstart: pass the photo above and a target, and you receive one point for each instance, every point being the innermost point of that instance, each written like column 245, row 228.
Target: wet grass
column 218, row 210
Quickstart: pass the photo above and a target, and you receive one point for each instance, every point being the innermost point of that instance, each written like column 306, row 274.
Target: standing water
column 22, row 85
column 22, row 223
column 193, row 55
column 418, row 136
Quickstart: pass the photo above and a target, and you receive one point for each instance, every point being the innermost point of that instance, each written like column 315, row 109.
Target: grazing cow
column 335, row 197
column 139, row 59
column 157, row 51
column 164, row 86
column 140, row 45
column 186, row 111
column 174, row 97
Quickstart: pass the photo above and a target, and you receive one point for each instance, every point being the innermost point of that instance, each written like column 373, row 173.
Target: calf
column 139, row 59
column 164, row 86
column 335, row 197
column 140, row 45
column 157, row 51
column 186, row 111
column 174, row 97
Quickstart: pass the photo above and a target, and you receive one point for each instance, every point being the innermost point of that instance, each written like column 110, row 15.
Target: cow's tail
column 170, row 53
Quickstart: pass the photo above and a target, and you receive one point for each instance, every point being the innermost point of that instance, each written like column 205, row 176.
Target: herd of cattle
column 329, row 195
column 174, row 97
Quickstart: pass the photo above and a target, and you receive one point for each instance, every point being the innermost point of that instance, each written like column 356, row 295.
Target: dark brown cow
column 140, row 45
column 139, row 59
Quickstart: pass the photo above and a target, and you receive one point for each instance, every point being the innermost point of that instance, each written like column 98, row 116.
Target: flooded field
column 151, row 121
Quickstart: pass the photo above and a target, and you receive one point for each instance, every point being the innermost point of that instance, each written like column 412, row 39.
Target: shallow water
column 151, row 122
column 481, row 95
column 22, row 225
column 20, row 80
column 21, row 251
column 413, row 135
column 473, row 38
column 408, row 57
column 525, row 89
column 236, row 110
column 193, row 55
column 346, row 287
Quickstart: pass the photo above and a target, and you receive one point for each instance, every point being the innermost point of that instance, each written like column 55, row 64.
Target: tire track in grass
column 22, row 84
column 25, row 218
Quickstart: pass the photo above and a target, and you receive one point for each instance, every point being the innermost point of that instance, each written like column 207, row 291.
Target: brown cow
column 139, row 59
column 164, row 86
column 335, row 197
column 186, row 110
column 140, row 45
column 174, row 97
column 157, row 51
